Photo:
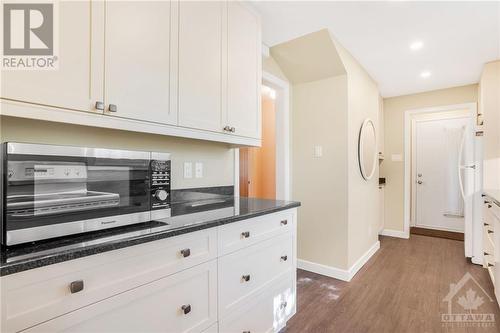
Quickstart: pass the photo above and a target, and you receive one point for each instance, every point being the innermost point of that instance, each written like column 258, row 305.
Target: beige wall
column 217, row 157
column 319, row 117
column 489, row 106
column 271, row 66
column 394, row 109
column 363, row 195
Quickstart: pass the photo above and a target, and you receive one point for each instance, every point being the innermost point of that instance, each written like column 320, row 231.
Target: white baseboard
column 363, row 259
column 394, row 233
column 338, row 273
column 334, row 272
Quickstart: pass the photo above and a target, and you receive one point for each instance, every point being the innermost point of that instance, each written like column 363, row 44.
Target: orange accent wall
column 258, row 165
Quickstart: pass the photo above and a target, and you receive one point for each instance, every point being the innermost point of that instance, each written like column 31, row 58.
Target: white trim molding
column 338, row 273
column 408, row 116
column 394, row 233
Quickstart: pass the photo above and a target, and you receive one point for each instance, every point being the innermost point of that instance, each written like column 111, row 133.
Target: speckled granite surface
column 187, row 216
column 494, row 195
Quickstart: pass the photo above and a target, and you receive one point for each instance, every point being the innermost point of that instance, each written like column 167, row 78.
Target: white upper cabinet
column 180, row 68
column 243, row 71
column 77, row 82
column 137, row 60
column 200, row 64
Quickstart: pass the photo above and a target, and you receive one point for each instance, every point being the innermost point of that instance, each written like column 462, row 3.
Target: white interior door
column 440, row 148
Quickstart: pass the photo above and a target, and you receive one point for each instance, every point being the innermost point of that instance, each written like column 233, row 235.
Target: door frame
column 282, row 105
column 408, row 139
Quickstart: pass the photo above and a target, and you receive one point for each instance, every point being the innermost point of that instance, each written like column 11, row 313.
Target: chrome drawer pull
column 284, row 222
column 489, row 206
column 283, row 305
column 112, row 108
column 246, row 332
column 99, row 106
column 186, row 309
column 490, row 231
column 245, row 234
column 186, row 253
column 246, row 278
column 486, row 254
column 76, row 286
column 284, row 258
column 486, row 224
column 490, row 265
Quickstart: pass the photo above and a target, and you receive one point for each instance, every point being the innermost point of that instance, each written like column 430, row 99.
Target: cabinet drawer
column 244, row 273
column 267, row 312
column 183, row 302
column 238, row 235
column 40, row 294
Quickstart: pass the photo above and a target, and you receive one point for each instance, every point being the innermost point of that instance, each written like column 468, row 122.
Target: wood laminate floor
column 401, row 289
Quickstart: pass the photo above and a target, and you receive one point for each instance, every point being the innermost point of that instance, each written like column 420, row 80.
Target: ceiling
column 458, row 37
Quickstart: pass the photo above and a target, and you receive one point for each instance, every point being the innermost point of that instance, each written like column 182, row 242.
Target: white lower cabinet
column 491, row 242
column 183, row 302
column 179, row 284
column 268, row 311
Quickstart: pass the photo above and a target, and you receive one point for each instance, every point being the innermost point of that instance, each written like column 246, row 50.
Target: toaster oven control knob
column 161, row 195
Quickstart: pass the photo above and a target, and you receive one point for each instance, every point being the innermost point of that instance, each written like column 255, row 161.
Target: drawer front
column 183, row 302
column 44, row 293
column 244, row 273
column 267, row 312
column 235, row 236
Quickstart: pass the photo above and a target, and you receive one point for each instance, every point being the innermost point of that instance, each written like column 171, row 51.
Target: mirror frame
column 364, row 126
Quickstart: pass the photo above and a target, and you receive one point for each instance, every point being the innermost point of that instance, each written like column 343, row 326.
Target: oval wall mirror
column 367, row 149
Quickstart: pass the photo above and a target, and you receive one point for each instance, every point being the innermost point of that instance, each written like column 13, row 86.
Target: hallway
column 401, row 289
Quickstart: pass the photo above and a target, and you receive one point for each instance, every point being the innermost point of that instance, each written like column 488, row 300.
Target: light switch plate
column 318, row 151
column 188, row 170
column 397, row 158
column 198, row 170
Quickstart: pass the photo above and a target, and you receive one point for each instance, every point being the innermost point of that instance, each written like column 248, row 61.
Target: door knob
column 419, row 182
column 112, row 108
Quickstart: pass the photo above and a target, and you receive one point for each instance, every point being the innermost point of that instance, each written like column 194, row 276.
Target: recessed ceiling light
column 425, row 74
column 416, row 45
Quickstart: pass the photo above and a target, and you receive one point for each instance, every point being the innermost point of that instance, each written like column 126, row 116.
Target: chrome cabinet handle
column 246, row 332
column 490, row 265
column 284, row 258
column 233, row 129
column 284, row 222
column 419, row 182
column 486, row 224
column 489, row 206
column 186, row 252
column 245, row 234
column 186, row 308
column 76, row 286
column 486, row 254
column 112, row 108
column 245, row 278
column 283, row 305
column 227, row 128
column 490, row 231
column 99, row 105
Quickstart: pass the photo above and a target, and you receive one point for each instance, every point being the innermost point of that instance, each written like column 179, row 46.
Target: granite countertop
column 187, row 216
column 494, row 194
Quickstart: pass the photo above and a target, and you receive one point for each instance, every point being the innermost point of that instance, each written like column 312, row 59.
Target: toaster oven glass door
column 54, row 191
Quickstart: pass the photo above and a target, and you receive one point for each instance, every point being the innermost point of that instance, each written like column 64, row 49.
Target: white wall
column 217, row 157
column 319, row 118
column 489, row 106
column 363, row 196
column 394, row 109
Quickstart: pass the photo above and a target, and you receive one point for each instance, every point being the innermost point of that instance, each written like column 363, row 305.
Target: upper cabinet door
column 137, row 60
column 76, row 83
column 199, row 66
column 243, row 71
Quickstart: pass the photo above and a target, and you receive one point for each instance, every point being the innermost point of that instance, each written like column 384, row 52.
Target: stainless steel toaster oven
column 52, row 191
